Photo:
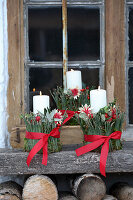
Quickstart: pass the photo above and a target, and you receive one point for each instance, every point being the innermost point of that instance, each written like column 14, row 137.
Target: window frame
column 128, row 63
column 100, row 64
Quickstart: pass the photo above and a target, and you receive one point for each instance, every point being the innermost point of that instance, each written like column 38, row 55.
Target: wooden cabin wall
column 114, row 56
column 15, row 61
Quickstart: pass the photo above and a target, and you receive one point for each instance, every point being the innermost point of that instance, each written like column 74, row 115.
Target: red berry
column 106, row 115
column 82, row 90
column 38, row 118
column 91, row 116
column 114, row 116
column 88, row 97
column 87, row 87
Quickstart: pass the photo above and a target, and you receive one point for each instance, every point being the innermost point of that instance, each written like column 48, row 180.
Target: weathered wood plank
column 65, row 162
column 15, row 92
column 69, row 135
column 115, row 50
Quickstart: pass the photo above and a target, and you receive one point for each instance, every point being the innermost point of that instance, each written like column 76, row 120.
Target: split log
column 88, row 186
column 109, row 197
column 39, row 187
column 122, row 191
column 8, row 197
column 10, row 190
column 67, row 196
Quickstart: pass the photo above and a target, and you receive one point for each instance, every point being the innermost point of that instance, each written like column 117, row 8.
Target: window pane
column 130, row 34
column 130, row 90
column 83, row 33
column 45, row 34
column 44, row 80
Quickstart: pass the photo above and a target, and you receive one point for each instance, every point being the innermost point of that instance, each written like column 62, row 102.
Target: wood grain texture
column 8, row 197
column 39, row 187
column 89, row 186
column 115, row 51
column 12, row 189
column 15, row 61
column 122, row 191
column 65, row 162
column 69, row 135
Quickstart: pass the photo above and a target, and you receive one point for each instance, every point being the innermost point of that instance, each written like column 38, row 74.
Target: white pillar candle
column 98, row 99
column 74, row 79
column 40, row 102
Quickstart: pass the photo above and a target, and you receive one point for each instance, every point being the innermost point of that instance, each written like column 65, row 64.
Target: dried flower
column 58, row 117
column 75, row 92
column 87, row 110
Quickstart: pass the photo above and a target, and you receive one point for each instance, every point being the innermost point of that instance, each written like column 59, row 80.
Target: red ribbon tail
column 45, row 154
column 103, row 157
column 34, row 150
column 89, row 147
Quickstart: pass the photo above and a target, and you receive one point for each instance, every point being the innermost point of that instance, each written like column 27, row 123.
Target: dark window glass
column 83, row 34
column 130, row 90
column 45, row 34
column 130, row 42
column 44, row 80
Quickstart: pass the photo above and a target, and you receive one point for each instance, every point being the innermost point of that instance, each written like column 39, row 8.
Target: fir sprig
column 42, row 124
column 108, row 120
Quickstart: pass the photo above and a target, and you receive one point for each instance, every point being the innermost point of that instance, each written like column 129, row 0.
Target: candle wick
column 99, row 87
column 72, row 70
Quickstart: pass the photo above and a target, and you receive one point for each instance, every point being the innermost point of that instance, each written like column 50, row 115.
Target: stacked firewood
column 84, row 187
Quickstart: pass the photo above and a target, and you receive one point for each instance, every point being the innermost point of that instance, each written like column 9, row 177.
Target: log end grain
column 11, row 189
column 39, row 187
column 89, row 186
column 122, row 191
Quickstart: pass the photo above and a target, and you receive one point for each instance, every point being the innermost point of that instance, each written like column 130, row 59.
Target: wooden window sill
column 13, row 162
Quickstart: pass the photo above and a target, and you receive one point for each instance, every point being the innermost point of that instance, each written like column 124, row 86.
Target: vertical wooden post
column 15, row 61
column 65, row 54
column 115, row 51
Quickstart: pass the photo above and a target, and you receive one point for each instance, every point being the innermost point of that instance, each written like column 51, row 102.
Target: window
column 44, row 44
column 129, row 61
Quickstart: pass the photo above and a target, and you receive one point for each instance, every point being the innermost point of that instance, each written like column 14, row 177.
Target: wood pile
column 88, row 186
column 122, row 191
column 83, row 187
column 10, row 191
column 39, row 187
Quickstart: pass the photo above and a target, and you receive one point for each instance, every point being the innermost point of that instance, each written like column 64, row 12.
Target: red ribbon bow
column 43, row 139
column 42, row 143
column 98, row 140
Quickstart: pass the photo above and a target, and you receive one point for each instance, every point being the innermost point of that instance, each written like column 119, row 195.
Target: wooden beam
column 115, row 50
column 13, row 162
column 15, row 61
